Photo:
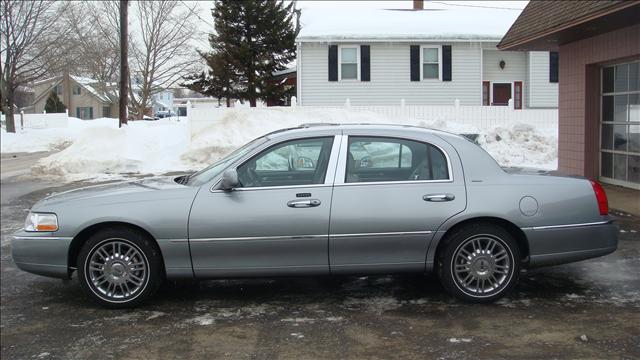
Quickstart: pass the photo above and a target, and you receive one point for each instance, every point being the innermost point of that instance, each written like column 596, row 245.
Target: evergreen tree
column 253, row 39
column 217, row 82
column 54, row 104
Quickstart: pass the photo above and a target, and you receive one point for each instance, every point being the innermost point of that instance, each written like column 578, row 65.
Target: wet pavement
column 589, row 309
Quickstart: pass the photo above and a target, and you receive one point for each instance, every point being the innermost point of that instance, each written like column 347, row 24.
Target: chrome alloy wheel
column 482, row 265
column 117, row 270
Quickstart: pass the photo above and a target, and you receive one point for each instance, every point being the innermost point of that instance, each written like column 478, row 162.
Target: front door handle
column 438, row 197
column 303, row 203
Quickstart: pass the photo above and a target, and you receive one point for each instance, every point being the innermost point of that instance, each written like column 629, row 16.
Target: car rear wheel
column 480, row 263
column 119, row 268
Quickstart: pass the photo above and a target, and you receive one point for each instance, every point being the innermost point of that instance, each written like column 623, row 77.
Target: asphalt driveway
column 589, row 309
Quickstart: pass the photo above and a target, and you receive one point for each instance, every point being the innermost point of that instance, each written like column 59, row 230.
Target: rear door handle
column 303, row 203
column 438, row 197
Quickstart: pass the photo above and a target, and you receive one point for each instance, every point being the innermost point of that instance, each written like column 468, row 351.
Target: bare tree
column 29, row 38
column 162, row 53
column 94, row 35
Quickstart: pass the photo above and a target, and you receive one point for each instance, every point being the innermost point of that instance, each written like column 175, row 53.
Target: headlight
column 41, row 222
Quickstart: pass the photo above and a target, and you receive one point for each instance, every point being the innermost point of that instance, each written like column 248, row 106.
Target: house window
column 349, row 60
column 58, row 89
column 106, row 111
column 430, row 62
column 84, row 112
column 76, row 90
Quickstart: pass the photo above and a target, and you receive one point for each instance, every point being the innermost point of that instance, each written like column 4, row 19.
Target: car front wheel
column 480, row 263
column 119, row 268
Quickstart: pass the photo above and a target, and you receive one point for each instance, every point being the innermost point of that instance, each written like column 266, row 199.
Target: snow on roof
column 56, row 78
column 284, row 71
column 86, row 84
column 436, row 22
column 83, row 80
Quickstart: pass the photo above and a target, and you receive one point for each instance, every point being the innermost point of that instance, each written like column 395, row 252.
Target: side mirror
column 229, row 180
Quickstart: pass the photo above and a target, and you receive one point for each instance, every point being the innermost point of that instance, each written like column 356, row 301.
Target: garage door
column 620, row 125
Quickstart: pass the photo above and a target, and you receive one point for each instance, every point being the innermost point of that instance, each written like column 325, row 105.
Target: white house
column 429, row 55
column 162, row 101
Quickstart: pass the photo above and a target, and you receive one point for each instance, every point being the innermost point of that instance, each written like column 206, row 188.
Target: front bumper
column 41, row 253
column 553, row 245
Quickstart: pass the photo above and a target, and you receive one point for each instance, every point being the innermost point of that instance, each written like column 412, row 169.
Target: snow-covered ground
column 98, row 150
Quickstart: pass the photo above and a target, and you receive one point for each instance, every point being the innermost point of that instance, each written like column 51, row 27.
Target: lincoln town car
column 317, row 200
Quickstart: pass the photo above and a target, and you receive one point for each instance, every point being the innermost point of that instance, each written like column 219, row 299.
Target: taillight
column 601, row 197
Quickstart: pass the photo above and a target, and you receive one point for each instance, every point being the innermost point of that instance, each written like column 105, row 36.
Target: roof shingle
column 541, row 17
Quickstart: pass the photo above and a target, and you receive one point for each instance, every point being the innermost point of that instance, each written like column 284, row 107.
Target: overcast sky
column 203, row 8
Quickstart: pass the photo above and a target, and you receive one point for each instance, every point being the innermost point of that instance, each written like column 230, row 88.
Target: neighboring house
column 23, row 98
column 82, row 96
column 163, row 101
column 287, row 79
column 183, row 96
column 599, row 95
column 424, row 56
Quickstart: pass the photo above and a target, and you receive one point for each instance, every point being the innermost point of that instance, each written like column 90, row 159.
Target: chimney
column 418, row 4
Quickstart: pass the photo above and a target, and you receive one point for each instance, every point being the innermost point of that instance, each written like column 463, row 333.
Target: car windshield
column 208, row 173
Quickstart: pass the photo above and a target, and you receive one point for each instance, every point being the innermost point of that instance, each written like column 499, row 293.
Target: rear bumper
column 42, row 255
column 553, row 245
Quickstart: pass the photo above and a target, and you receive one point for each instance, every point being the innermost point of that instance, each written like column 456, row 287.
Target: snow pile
column 103, row 150
column 237, row 127
column 98, row 150
column 49, row 139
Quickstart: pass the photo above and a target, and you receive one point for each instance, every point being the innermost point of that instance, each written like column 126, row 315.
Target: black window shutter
column 415, row 62
column 333, row 62
column 553, row 66
column 446, row 62
column 365, row 63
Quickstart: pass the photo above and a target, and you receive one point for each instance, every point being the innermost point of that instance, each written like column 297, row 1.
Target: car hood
column 118, row 189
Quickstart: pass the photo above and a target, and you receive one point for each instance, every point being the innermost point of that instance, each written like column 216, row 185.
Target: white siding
column 542, row 93
column 515, row 68
column 390, row 78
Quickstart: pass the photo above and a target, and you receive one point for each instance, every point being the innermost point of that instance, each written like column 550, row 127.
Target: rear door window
column 380, row 159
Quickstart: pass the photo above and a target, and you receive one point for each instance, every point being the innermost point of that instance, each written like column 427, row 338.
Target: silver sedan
column 319, row 200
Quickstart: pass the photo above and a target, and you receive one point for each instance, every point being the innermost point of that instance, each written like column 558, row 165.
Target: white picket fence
column 201, row 115
column 480, row 116
column 38, row 121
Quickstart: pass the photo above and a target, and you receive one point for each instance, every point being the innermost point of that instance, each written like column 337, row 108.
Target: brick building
column 599, row 82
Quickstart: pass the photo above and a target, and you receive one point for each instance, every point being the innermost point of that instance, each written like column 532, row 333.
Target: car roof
column 311, row 129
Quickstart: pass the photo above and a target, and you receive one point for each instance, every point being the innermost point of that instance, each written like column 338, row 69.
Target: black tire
column 457, row 267
column 144, row 251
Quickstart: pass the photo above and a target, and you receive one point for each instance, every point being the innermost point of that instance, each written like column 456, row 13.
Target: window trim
column 328, row 177
column 341, row 169
column 439, row 47
column 358, row 62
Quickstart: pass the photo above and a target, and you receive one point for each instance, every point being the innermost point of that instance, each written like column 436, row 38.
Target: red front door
column 501, row 94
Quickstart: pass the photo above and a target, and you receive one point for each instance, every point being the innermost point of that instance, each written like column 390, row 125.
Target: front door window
column 296, row 162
